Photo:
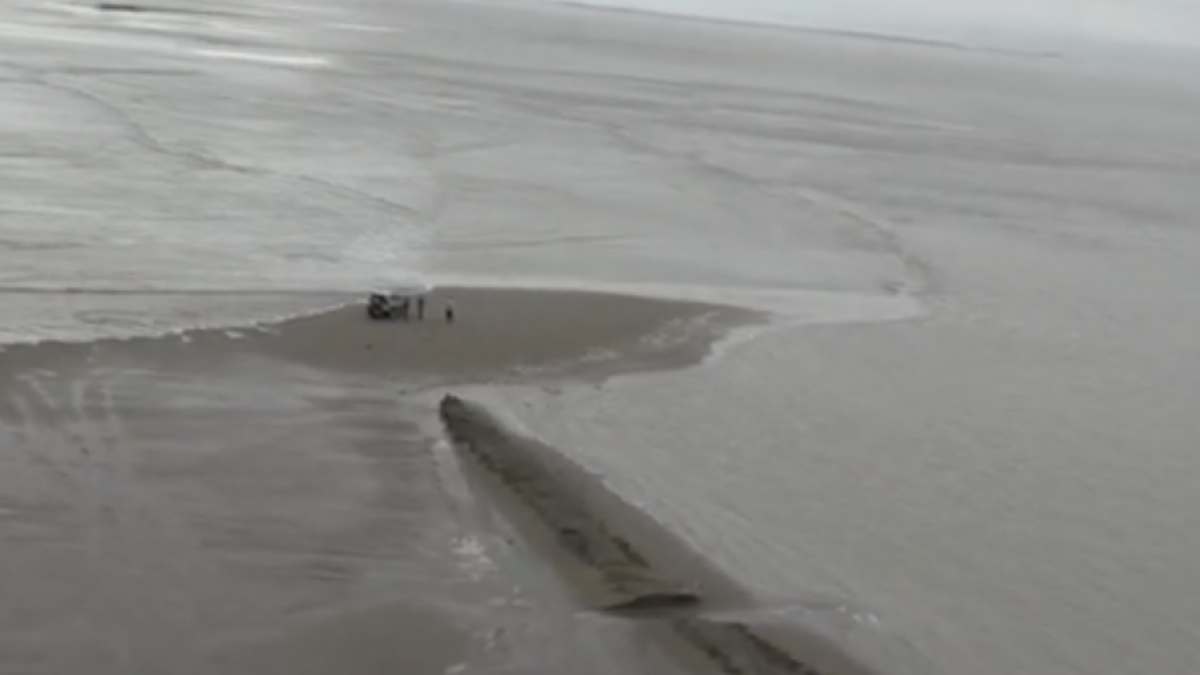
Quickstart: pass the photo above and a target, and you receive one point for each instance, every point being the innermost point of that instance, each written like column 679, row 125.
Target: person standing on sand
column 449, row 312
column 420, row 308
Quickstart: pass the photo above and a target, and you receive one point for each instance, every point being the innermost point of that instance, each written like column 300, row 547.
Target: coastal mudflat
column 270, row 499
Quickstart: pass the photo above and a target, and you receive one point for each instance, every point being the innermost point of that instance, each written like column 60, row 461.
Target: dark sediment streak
column 139, row 8
column 121, row 7
column 624, row 567
column 623, row 580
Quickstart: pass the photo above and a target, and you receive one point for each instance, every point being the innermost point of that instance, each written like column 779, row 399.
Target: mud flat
column 264, row 499
column 620, row 562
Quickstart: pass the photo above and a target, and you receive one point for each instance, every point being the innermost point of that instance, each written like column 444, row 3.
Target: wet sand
column 496, row 333
column 267, row 501
column 620, row 561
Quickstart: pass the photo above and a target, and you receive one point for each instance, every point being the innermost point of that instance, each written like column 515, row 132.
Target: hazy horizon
column 1018, row 24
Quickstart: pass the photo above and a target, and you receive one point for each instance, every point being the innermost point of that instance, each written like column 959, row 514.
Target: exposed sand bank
column 620, row 562
column 262, row 501
column 505, row 332
column 496, row 333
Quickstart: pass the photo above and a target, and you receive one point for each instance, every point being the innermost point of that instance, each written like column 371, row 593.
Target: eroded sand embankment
column 621, row 562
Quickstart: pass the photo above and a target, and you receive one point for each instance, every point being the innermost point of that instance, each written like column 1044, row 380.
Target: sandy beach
column 260, row 501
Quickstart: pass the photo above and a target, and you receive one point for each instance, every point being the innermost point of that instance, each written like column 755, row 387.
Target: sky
column 1039, row 24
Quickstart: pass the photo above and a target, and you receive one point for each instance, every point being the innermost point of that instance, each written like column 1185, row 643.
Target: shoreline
column 501, row 334
column 289, row 466
column 614, row 559
column 730, row 315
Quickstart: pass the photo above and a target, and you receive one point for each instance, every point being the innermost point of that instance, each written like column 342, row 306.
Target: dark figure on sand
column 420, row 308
column 449, row 312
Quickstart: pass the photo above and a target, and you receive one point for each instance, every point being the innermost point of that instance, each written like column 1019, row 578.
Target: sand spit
column 498, row 334
column 621, row 564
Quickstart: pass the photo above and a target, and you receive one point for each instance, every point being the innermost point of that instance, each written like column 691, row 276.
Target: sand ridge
column 632, row 576
column 503, row 331
column 497, row 332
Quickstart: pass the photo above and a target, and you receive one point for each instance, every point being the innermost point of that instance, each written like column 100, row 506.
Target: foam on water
column 54, row 317
column 365, row 28
column 302, row 60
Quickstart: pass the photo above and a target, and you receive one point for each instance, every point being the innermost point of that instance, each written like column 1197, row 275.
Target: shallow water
column 979, row 429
